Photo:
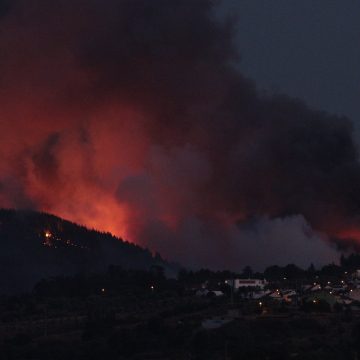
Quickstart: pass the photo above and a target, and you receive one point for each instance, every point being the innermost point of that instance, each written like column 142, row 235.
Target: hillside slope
column 37, row 245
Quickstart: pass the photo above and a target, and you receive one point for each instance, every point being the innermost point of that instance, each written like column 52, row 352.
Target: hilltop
column 36, row 245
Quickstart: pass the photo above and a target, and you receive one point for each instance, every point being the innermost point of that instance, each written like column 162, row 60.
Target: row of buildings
column 344, row 291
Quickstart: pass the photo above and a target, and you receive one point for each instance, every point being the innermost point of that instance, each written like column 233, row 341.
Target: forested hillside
column 38, row 245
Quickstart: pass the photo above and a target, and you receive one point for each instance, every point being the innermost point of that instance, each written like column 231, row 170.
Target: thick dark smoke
column 128, row 116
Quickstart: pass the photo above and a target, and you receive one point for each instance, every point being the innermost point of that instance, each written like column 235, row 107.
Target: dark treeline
column 118, row 280
column 289, row 272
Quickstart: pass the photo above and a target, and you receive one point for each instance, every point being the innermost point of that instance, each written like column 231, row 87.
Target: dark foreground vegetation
column 137, row 314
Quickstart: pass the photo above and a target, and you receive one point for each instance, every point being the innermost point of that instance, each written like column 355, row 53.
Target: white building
column 247, row 283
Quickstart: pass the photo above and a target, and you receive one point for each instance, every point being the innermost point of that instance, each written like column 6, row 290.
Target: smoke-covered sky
column 135, row 117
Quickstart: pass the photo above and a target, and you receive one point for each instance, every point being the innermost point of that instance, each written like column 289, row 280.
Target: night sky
column 219, row 136
column 306, row 49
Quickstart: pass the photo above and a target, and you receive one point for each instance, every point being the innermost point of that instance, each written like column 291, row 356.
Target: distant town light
column 102, row 290
column 260, row 303
column 47, row 234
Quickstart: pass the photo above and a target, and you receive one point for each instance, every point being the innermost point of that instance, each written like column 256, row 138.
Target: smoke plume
column 128, row 116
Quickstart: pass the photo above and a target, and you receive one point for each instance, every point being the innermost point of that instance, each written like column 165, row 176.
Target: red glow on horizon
column 352, row 234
